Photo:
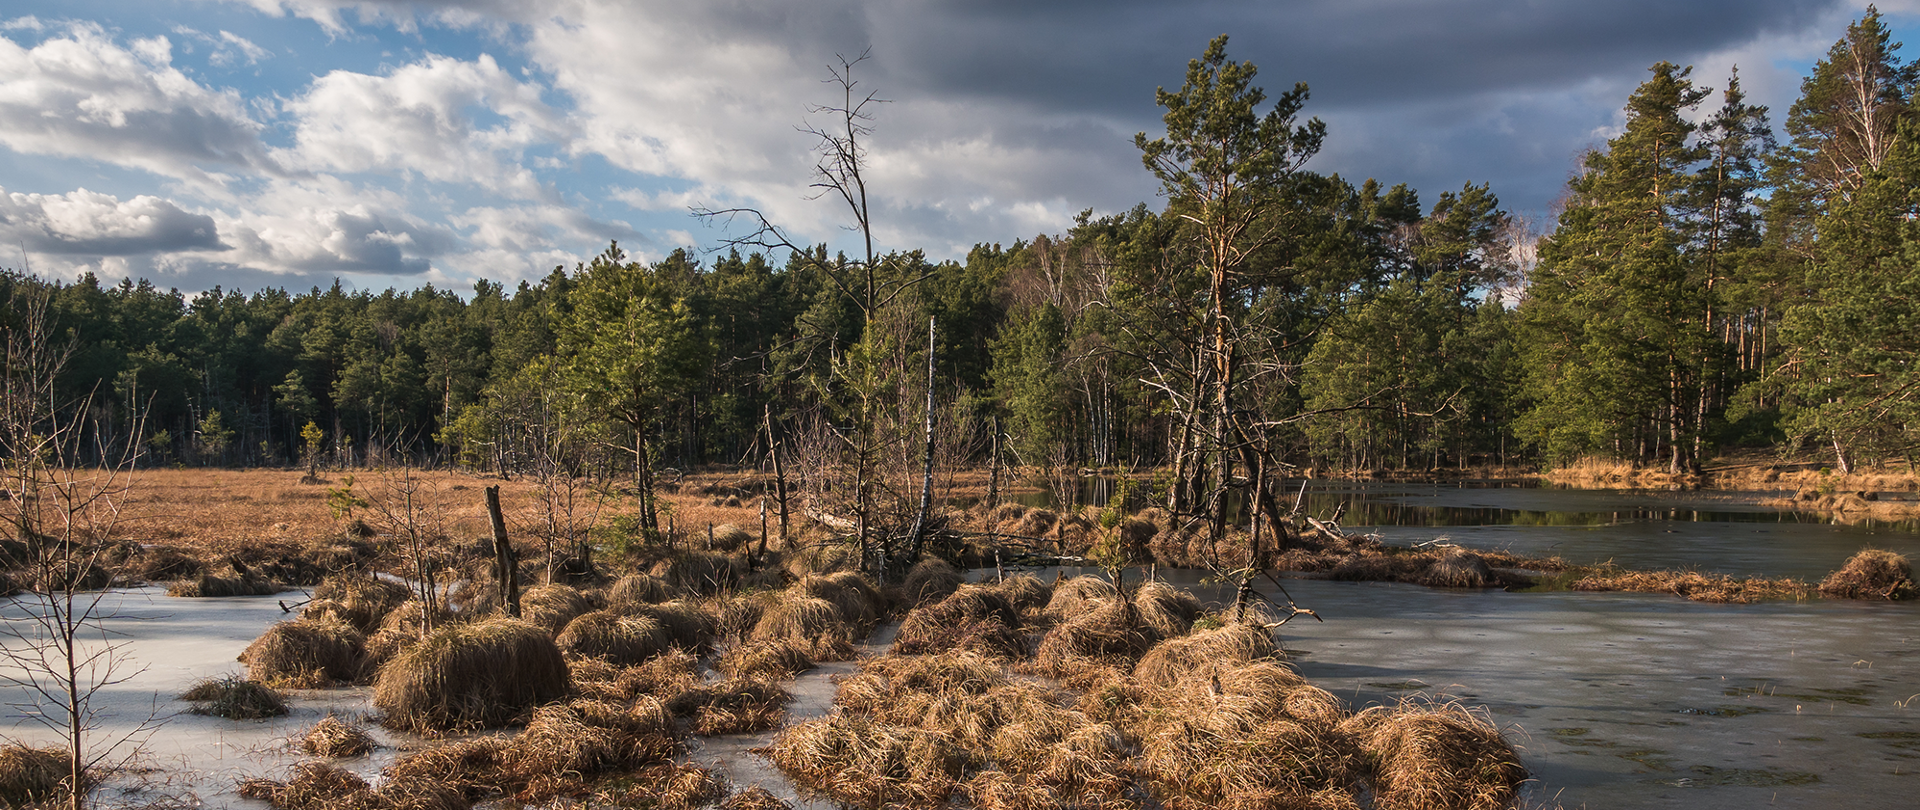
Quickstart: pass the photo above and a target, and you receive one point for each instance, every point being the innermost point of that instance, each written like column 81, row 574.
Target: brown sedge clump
column 305, row 654
column 552, row 605
column 733, row 706
column 1435, row 755
column 364, row 600
column 335, row 739
column 1871, row 574
column 617, row 639
column 808, row 620
column 779, row 659
column 470, row 675
column 930, row 579
column 975, row 618
column 32, row 777
column 235, row 698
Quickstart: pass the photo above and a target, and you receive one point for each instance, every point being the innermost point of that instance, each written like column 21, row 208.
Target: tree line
column 1706, row 285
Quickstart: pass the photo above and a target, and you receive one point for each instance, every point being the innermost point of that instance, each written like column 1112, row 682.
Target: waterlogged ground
column 1616, row 700
column 161, row 646
column 1637, row 700
column 1717, row 532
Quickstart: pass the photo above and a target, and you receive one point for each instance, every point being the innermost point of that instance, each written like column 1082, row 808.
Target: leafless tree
column 66, row 478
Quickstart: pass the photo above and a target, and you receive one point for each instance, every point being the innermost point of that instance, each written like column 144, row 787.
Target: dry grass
column 664, row 787
column 473, row 675
column 235, row 698
column 815, row 623
column 662, row 678
column 1871, row 574
column 974, row 618
column 858, row 601
column 564, row 747
column 208, row 585
column 1436, row 755
column 1693, row 585
column 619, row 639
column 867, row 764
column 305, row 654
column 637, row 589
column 1457, row 568
column 336, row 739
column 1076, row 596
column 1027, row 593
column 687, row 626
column 1230, row 646
column 733, row 706
column 32, row 777
column 363, row 600
column 777, row 660
column 830, row 558
column 553, row 605
column 930, row 579
column 1109, row 634
column 754, row 798
column 1168, row 611
column 704, row 573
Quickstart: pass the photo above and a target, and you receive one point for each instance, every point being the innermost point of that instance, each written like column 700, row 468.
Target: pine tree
column 1612, row 321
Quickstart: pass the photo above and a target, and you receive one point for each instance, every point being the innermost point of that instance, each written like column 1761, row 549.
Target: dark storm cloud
column 1106, row 57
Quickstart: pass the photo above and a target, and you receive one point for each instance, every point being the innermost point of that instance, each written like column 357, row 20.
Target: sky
column 250, row 144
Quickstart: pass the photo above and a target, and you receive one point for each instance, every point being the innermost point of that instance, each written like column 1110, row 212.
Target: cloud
column 84, row 222
column 82, row 95
column 422, row 118
column 228, row 47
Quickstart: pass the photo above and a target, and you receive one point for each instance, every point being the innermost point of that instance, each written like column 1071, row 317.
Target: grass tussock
column 704, row 573
column 859, row 602
column 33, row 777
column 235, row 698
column 1871, row 574
column 640, row 589
column 810, row 621
column 334, row 738
column 305, row 654
column 209, row 586
column 668, row 786
column 561, row 753
column 1109, row 634
column 733, row 706
column 1435, row 755
column 975, row 618
column 929, row 580
column 553, row 605
column 471, row 675
column 754, row 798
column 1232, row 645
column 363, row 600
column 1167, row 610
column 1457, row 568
column 833, row 558
column 611, row 636
column 770, row 660
column 1027, row 593
column 1692, row 585
column 867, row 764
column 669, row 674
column 1075, row 596
column 687, row 626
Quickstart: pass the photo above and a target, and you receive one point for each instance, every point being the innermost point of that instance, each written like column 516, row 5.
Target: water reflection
column 1718, row 532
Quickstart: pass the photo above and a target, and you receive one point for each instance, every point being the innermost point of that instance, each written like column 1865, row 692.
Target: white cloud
column 422, row 118
column 227, row 47
column 85, row 222
column 81, row 95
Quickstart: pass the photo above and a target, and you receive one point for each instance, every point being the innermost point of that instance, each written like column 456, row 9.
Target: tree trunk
column 926, row 476
column 505, row 562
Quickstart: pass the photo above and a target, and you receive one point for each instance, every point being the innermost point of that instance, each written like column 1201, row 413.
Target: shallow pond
column 1637, row 700
column 1616, row 700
